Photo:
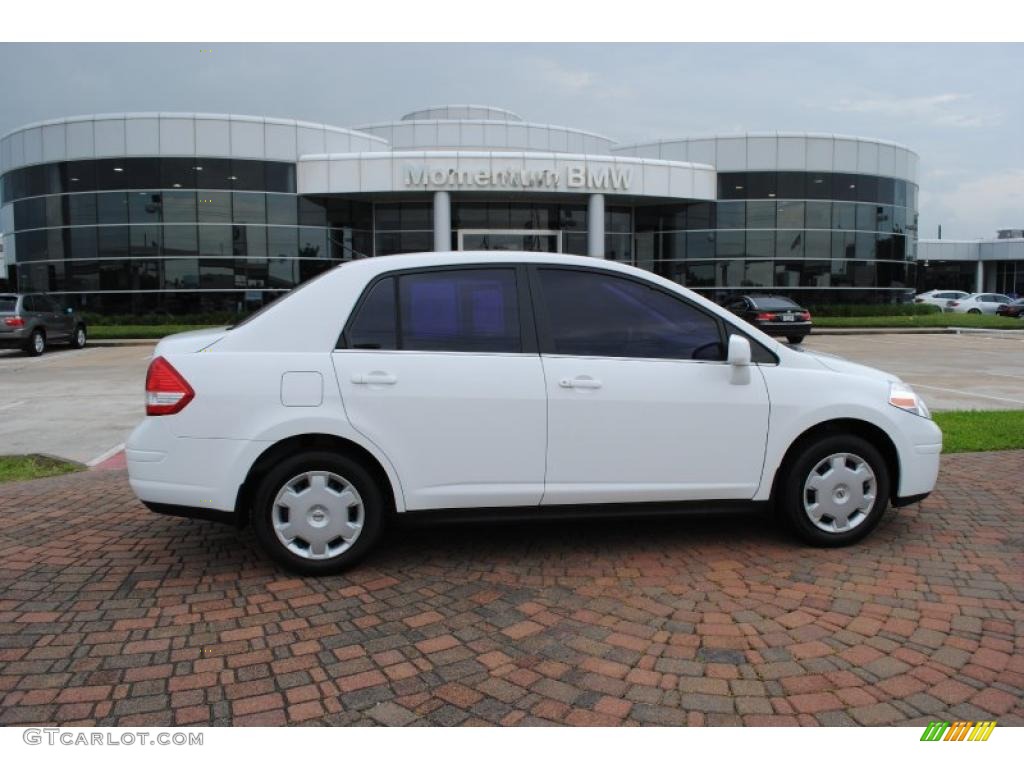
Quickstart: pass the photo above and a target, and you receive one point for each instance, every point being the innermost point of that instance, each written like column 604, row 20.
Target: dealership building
column 187, row 213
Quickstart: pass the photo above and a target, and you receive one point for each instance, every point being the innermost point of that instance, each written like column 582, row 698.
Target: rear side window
column 31, row 304
column 471, row 310
column 457, row 310
column 374, row 325
column 8, row 303
column 599, row 315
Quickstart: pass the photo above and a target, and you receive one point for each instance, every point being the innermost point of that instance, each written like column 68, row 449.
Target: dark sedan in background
column 1013, row 309
column 775, row 315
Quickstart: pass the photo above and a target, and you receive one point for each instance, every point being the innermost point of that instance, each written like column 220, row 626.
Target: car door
column 439, row 369
column 640, row 402
column 58, row 321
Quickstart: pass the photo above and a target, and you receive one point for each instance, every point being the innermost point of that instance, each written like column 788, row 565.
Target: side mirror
column 739, row 350
column 739, row 359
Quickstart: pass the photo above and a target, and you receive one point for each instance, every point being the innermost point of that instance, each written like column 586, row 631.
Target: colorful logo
column 959, row 731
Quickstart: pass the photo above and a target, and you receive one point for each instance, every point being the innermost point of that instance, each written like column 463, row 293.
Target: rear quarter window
column 8, row 303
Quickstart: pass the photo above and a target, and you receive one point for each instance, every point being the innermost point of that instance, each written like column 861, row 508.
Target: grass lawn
column 936, row 320
column 968, row 431
column 33, row 466
column 140, row 331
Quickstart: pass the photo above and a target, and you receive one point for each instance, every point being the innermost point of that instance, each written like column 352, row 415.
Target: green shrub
column 873, row 310
column 207, row 319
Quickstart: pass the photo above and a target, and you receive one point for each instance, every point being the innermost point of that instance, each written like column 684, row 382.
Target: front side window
column 599, row 315
column 457, row 310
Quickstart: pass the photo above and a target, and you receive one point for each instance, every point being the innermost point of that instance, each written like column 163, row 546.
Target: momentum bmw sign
column 569, row 176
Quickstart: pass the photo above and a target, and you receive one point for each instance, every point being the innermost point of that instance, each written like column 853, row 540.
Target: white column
column 980, row 279
column 442, row 221
column 595, row 226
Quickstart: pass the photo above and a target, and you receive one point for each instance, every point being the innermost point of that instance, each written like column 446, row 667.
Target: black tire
column 795, row 339
column 78, row 337
column 354, row 473
column 36, row 344
column 798, row 471
column 973, row 311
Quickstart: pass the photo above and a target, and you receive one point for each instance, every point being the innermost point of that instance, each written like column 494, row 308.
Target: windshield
column 774, row 303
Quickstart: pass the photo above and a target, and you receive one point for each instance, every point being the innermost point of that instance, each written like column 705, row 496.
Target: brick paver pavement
column 111, row 615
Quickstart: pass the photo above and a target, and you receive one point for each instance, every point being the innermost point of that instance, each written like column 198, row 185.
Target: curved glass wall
column 821, row 237
column 138, row 235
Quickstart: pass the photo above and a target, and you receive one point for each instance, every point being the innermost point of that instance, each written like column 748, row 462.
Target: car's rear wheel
column 36, row 344
column 318, row 512
column 973, row 311
column 835, row 491
column 78, row 338
column 794, row 339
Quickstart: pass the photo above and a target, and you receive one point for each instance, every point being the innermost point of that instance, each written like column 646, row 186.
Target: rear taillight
column 805, row 315
column 765, row 316
column 167, row 391
column 953, row 304
column 14, row 322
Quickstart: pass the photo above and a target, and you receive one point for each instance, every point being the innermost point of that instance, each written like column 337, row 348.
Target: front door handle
column 580, row 382
column 374, row 377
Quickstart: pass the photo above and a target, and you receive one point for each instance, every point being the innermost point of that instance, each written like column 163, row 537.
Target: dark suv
column 31, row 321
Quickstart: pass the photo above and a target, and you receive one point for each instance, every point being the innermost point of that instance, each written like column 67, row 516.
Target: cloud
column 561, row 76
column 978, row 206
column 944, row 109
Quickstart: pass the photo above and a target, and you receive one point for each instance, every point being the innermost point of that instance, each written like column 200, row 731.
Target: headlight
column 902, row 396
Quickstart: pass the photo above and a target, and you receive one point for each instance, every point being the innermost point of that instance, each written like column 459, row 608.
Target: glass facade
column 185, row 234
column 819, row 237
column 139, row 235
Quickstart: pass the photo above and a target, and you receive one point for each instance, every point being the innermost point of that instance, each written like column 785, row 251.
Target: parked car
column 939, row 298
column 483, row 383
column 33, row 321
column 1014, row 309
column 775, row 315
column 978, row 303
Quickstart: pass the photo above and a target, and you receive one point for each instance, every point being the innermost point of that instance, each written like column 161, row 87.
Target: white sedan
column 512, row 384
column 978, row 304
column 939, row 298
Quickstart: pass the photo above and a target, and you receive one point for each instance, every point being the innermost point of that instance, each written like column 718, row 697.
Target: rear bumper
column 785, row 329
column 189, row 477
column 15, row 340
column 194, row 513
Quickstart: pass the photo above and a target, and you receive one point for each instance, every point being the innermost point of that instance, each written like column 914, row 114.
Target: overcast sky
column 961, row 107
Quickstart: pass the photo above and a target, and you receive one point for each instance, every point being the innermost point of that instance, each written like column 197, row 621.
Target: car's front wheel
column 78, row 338
column 318, row 512
column 835, row 491
column 36, row 343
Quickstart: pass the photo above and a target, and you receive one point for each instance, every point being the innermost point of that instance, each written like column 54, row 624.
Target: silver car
column 978, row 303
column 33, row 321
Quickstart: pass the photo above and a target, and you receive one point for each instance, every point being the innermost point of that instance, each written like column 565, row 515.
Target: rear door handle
column 580, row 382
column 375, row 377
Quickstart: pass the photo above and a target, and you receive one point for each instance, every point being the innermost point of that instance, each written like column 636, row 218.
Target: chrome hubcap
column 39, row 342
column 318, row 515
column 81, row 337
column 840, row 492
